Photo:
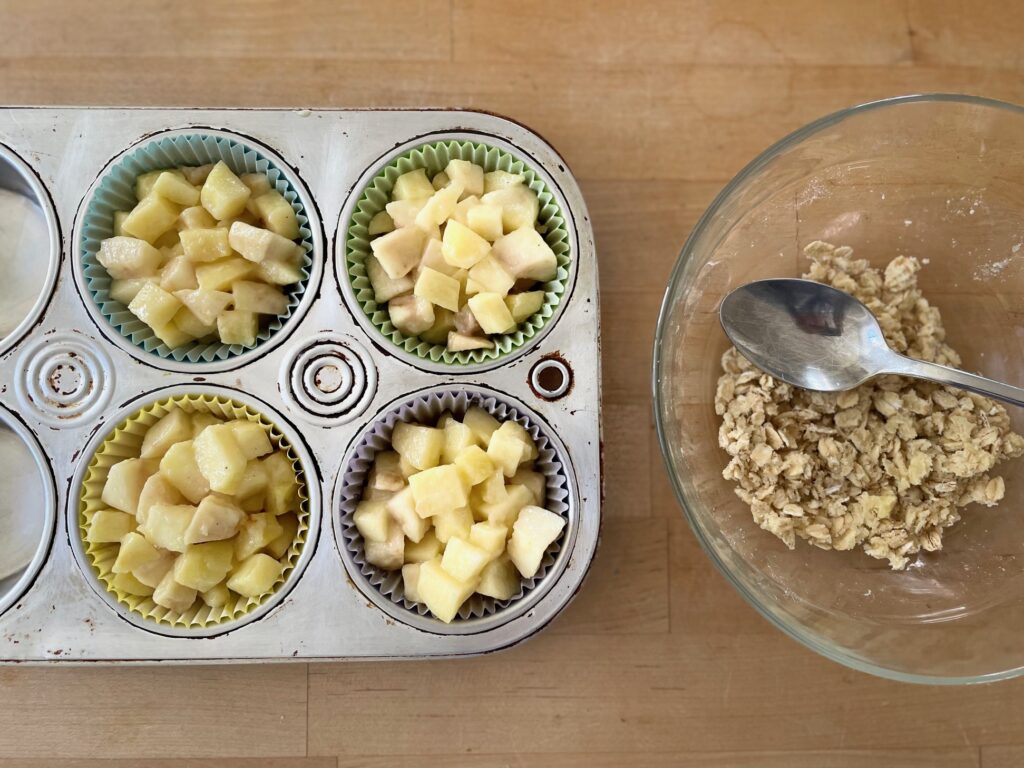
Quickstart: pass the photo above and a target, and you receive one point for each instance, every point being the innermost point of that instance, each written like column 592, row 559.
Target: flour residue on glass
column 24, row 258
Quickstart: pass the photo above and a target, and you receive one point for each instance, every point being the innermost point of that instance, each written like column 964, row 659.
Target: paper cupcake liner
column 123, row 443
column 426, row 409
column 116, row 192
column 434, row 158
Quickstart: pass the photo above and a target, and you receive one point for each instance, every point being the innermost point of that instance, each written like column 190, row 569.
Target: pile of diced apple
column 459, row 508
column 204, row 255
column 207, row 511
column 458, row 258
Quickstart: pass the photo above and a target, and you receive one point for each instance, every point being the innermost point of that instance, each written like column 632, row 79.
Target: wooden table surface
column 655, row 105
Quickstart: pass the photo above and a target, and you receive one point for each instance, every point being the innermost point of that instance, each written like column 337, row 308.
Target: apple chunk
column 534, row 531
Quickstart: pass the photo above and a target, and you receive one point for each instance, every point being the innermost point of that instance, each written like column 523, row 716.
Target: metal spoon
column 817, row 337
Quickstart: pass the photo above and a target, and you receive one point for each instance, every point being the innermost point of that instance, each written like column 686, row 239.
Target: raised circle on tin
column 64, row 377
column 330, row 381
column 551, row 378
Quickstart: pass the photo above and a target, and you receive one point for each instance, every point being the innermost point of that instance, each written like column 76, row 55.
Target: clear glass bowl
column 940, row 177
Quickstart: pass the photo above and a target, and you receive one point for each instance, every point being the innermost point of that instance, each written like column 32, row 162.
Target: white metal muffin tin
column 67, row 378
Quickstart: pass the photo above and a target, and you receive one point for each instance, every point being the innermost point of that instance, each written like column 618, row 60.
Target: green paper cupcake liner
column 116, row 192
column 434, row 157
column 124, row 443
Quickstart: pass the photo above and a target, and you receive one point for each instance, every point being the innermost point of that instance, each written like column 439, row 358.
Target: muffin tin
column 327, row 379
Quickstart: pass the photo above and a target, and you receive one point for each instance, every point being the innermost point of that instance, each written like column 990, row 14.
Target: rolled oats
column 885, row 467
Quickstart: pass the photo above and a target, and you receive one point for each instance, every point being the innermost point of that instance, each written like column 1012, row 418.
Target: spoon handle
column 918, row 369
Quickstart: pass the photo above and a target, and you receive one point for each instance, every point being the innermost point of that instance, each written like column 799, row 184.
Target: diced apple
column 490, row 537
column 399, row 251
column 127, row 584
column 256, row 533
column 152, row 572
column 412, row 315
column 438, row 289
column 461, row 246
column 255, row 576
column 464, row 561
column 203, row 245
column 518, row 431
column 223, row 194
column 216, row 597
column 172, row 428
column 154, row 306
column 127, row 258
column 452, row 522
column 196, row 174
column 252, row 438
column 462, row 210
column 506, row 511
column 186, row 321
column 289, row 530
column 491, row 277
column 282, row 484
column 425, row 549
column 217, row 517
column 486, row 220
column 491, row 312
column 524, row 305
column 157, row 490
column 373, row 521
column 519, row 206
column 386, row 474
column 444, row 323
column 203, row 419
column 179, row 467
column 204, row 566
column 457, row 437
column 421, row 446
column 438, row 489
column 277, row 214
column 144, row 182
column 173, row 596
column 119, row 217
column 469, row 175
column 258, row 183
column 535, row 482
column 493, row 490
column 258, row 245
column 524, row 254
column 412, row 186
column 482, row 424
column 410, row 582
column 195, row 217
column 178, row 274
column 153, row 216
column 501, row 180
column 474, row 464
column 125, row 481
column 384, row 287
column 238, row 327
column 402, row 508
column 221, row 275
column 534, row 531
column 174, row 187
column 439, row 207
column 254, row 503
column 388, row 554
column 108, row 526
column 206, row 305
column 126, row 290
column 135, row 551
column 254, row 481
column 499, row 579
column 380, row 224
column 442, row 594
column 279, row 272
column 168, row 242
column 406, row 467
column 220, row 458
column 403, row 213
column 439, row 181
column 166, row 525
column 433, row 257
column 507, row 450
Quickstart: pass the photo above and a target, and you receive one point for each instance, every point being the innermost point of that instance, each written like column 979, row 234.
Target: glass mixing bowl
column 940, row 177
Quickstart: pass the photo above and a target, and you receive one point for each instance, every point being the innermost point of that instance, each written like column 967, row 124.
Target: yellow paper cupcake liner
column 124, row 443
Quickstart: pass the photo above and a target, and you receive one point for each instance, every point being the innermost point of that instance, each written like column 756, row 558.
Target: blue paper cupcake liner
column 116, row 192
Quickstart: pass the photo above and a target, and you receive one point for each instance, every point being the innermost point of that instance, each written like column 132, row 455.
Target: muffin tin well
column 74, row 369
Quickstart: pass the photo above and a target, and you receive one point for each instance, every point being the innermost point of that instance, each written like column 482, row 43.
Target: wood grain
column 655, row 105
